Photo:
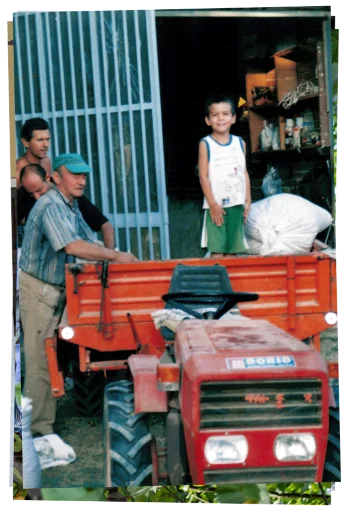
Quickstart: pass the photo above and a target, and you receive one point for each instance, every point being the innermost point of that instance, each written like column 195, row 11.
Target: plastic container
column 289, row 133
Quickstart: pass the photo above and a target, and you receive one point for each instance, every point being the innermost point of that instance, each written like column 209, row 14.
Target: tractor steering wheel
column 227, row 301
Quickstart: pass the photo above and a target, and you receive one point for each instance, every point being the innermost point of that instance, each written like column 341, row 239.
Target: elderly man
column 55, row 233
column 35, row 183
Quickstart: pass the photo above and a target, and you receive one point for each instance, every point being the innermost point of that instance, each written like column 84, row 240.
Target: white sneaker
column 53, row 451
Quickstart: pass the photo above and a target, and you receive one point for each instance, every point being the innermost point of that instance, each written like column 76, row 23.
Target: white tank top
column 227, row 165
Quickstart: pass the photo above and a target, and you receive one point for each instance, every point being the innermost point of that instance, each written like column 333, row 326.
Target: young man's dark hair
column 36, row 123
column 33, row 168
column 218, row 98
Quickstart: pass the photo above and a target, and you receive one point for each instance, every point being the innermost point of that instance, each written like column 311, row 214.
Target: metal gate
column 94, row 77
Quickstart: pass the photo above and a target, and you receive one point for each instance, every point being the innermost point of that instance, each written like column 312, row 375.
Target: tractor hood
column 217, row 347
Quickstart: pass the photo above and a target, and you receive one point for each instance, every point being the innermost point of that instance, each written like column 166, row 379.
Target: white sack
column 284, row 224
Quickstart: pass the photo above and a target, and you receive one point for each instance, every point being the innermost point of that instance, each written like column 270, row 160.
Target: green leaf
column 140, row 494
column 19, row 494
column 295, row 487
column 314, row 488
column 184, row 488
column 326, row 485
column 18, row 477
column 74, row 494
column 169, row 494
column 305, row 487
column 334, row 45
column 18, row 444
column 18, row 394
column 281, row 487
column 293, row 501
column 136, row 491
column 124, row 491
column 238, row 493
column 212, row 497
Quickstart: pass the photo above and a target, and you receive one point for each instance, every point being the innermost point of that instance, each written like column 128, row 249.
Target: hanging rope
column 303, row 89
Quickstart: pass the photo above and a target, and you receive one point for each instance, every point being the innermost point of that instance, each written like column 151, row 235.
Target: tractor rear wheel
column 128, row 443
column 88, row 391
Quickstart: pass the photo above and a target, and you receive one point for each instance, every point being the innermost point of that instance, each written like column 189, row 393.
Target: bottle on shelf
column 308, row 127
column 266, row 136
column 276, row 139
column 297, row 133
column 289, row 133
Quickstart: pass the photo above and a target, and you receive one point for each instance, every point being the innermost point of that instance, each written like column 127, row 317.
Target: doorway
column 200, row 56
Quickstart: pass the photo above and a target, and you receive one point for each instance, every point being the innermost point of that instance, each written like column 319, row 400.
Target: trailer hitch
column 134, row 331
column 105, row 315
column 75, row 270
column 104, row 275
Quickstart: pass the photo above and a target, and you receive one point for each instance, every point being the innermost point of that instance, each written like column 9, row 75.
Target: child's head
column 220, row 114
column 218, row 98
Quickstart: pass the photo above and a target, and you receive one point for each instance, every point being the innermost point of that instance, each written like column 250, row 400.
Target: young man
column 224, row 180
column 55, row 232
column 35, row 136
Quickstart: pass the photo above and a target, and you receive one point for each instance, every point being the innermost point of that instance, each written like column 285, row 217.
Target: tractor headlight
column 331, row 318
column 291, row 447
column 67, row 333
column 226, row 449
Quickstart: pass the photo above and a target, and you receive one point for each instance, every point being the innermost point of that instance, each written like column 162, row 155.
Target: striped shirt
column 52, row 224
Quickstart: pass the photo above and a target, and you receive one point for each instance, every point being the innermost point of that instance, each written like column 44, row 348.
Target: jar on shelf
column 297, row 133
column 299, row 122
column 296, row 137
column 266, row 136
column 315, row 139
column 289, row 123
column 308, row 127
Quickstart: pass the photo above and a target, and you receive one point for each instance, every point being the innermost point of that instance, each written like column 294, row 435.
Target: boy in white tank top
column 224, row 180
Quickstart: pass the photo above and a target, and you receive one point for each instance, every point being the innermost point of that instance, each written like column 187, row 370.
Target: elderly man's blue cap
column 73, row 162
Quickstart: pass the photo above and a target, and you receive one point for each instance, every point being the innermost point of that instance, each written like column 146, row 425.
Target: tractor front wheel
column 332, row 467
column 128, row 443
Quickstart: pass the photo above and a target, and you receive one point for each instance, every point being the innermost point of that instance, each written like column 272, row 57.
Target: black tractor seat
column 197, row 288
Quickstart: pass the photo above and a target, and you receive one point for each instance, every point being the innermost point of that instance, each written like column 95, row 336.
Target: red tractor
column 223, row 400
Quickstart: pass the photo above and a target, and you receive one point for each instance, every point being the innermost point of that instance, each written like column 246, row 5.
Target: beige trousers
column 41, row 305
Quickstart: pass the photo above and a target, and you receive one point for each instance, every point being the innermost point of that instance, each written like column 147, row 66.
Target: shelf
column 308, row 97
column 276, row 109
column 299, row 53
column 291, row 67
column 299, row 103
column 260, row 155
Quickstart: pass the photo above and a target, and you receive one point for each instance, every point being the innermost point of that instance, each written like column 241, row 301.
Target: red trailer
column 224, row 401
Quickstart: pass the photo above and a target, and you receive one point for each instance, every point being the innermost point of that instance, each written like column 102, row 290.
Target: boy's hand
column 216, row 213
column 246, row 211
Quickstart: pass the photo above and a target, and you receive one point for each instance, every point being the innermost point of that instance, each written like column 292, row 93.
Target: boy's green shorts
column 230, row 237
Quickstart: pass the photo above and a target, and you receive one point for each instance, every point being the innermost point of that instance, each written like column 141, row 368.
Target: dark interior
column 200, row 56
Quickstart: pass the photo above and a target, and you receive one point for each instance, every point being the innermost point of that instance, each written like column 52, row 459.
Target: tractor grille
column 253, row 404
column 261, row 475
